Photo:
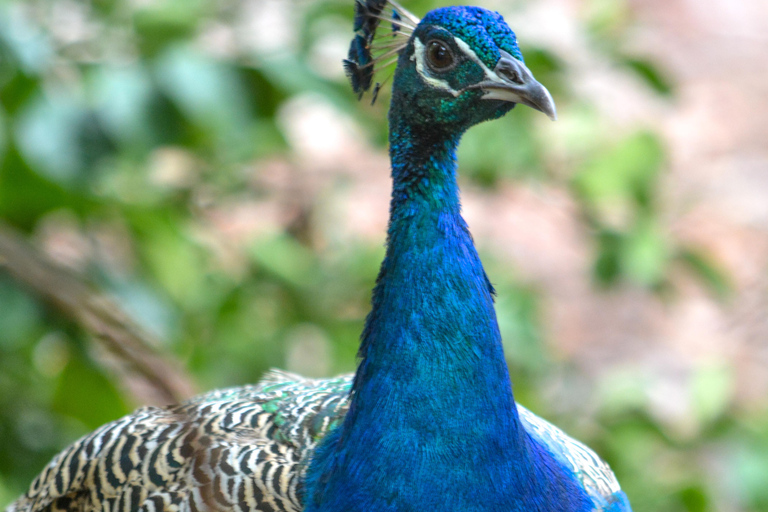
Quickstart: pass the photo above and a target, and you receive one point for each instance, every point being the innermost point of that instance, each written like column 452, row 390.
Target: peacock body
column 428, row 421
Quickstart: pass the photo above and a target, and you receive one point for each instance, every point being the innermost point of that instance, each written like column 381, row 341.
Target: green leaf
column 695, row 498
column 292, row 76
column 19, row 314
column 25, row 195
column 645, row 254
column 650, row 74
column 286, row 258
column 748, row 466
column 504, row 148
column 6, row 494
column 28, row 43
column 83, row 392
column 47, row 134
column 518, row 318
column 165, row 23
column 211, row 95
column 175, row 260
column 711, row 389
column 705, row 268
column 607, row 268
column 623, row 176
column 607, row 19
column 3, row 134
column 123, row 96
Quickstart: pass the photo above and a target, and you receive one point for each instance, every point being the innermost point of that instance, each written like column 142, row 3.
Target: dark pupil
column 439, row 55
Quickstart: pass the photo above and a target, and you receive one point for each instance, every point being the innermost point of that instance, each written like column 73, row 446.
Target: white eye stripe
column 419, row 52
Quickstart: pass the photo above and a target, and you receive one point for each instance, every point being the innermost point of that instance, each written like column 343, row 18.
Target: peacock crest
column 370, row 52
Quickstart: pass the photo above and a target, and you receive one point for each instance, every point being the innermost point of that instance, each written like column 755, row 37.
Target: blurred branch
column 161, row 380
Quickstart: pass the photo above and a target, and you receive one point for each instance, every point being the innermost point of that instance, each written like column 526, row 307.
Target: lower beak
column 532, row 94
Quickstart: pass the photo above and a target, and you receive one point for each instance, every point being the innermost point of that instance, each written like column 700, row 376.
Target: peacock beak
column 512, row 81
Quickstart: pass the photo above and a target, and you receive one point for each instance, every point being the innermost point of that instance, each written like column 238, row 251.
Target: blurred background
column 214, row 200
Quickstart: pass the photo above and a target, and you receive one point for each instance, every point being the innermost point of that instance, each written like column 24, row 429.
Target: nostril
column 511, row 69
column 508, row 71
column 513, row 75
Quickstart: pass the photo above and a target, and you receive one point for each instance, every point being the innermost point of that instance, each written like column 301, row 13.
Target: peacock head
column 456, row 67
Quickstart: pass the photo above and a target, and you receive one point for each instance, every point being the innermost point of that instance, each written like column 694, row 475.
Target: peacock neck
column 431, row 418
column 432, row 337
column 432, row 384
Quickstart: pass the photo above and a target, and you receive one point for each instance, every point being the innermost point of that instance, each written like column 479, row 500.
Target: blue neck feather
column 431, row 347
column 432, row 419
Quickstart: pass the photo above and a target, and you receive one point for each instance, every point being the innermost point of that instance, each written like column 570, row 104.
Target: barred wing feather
column 233, row 449
column 241, row 449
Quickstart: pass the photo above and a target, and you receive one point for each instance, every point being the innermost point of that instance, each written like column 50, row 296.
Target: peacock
column 428, row 421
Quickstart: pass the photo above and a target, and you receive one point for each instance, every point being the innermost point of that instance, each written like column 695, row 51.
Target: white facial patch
column 419, row 53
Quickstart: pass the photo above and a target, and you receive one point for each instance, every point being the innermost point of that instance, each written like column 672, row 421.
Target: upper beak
column 514, row 82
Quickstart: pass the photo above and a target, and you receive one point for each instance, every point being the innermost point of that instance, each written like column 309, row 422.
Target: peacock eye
column 439, row 56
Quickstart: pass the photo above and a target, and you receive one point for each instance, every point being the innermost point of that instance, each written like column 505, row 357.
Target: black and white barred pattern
column 239, row 449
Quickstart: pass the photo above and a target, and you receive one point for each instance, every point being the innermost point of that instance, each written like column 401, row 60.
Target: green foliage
column 650, row 73
column 50, row 389
column 140, row 129
column 618, row 189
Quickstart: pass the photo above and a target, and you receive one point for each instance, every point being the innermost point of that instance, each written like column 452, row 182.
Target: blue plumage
column 366, row 15
column 429, row 421
column 432, row 422
column 357, row 65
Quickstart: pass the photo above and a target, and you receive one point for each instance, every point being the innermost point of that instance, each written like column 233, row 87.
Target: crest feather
column 368, row 52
